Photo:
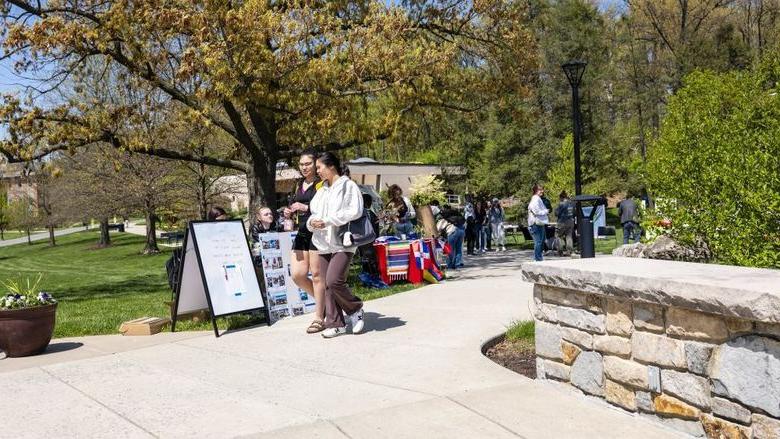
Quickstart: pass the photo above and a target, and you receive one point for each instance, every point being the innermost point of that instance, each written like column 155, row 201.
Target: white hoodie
column 336, row 206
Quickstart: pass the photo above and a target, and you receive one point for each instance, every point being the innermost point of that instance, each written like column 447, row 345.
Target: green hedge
column 716, row 166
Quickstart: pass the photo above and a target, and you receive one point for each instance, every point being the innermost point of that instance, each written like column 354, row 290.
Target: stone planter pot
column 26, row 331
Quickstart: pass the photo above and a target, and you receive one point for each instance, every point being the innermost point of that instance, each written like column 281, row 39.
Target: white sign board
column 217, row 271
column 284, row 298
column 599, row 218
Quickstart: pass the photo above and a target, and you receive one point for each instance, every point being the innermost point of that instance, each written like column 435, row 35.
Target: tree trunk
column 52, row 242
column 29, row 241
column 203, row 199
column 151, row 234
column 426, row 219
column 261, row 182
column 105, row 238
column 2, row 234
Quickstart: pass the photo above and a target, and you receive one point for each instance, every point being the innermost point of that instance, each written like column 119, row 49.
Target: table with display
column 397, row 260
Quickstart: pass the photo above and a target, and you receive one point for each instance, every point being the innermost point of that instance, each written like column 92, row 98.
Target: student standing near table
column 304, row 255
column 336, row 204
column 496, row 220
column 264, row 223
column 564, row 213
column 537, row 220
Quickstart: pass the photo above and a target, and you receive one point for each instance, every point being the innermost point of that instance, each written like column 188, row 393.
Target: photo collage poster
column 285, row 299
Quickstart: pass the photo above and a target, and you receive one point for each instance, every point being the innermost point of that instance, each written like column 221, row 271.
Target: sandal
column 315, row 327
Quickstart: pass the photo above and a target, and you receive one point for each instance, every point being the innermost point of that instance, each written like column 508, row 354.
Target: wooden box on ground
column 144, row 326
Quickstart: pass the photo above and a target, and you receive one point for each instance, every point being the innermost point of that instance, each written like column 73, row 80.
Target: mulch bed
column 518, row 357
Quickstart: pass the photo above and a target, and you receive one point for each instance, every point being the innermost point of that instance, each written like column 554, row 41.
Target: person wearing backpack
column 628, row 218
column 565, row 215
column 338, row 203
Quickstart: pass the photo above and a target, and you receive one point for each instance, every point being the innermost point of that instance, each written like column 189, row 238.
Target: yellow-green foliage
column 717, row 164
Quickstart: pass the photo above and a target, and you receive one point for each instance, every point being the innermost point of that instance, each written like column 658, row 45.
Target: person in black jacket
column 264, row 223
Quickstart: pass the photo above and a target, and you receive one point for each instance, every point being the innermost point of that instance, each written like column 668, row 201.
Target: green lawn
column 99, row 289
column 13, row 234
column 603, row 245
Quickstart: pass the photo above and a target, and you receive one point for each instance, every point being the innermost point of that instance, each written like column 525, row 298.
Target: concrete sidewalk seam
column 338, row 427
column 100, row 403
column 504, row 427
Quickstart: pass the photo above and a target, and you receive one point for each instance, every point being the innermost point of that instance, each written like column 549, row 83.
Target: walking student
column 496, row 219
column 565, row 215
column 304, row 255
column 336, row 204
column 628, row 218
column 537, row 219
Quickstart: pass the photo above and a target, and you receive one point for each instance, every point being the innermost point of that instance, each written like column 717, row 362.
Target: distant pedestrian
column 537, row 220
column 564, row 213
column 496, row 219
column 480, row 215
column 470, row 214
column 628, row 218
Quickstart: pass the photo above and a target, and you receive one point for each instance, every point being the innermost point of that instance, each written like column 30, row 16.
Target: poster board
column 599, row 218
column 283, row 296
column 216, row 272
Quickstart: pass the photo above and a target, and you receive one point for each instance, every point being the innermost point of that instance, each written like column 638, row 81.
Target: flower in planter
column 24, row 294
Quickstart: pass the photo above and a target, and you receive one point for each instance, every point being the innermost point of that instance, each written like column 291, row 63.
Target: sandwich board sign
column 217, row 272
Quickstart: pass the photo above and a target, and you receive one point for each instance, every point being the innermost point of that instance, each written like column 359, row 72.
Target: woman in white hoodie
column 338, row 202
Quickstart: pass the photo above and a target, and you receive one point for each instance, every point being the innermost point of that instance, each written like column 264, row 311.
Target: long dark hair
column 311, row 153
column 329, row 159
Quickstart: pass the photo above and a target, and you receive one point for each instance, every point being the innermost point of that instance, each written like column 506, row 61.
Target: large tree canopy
column 275, row 76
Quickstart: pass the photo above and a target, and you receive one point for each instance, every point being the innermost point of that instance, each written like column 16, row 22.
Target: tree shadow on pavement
column 380, row 322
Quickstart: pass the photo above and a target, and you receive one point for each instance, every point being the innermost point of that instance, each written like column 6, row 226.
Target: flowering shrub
column 24, row 294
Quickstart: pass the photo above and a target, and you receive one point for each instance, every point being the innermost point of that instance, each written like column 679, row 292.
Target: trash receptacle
column 585, row 222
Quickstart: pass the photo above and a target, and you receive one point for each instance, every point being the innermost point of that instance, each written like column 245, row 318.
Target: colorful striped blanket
column 398, row 260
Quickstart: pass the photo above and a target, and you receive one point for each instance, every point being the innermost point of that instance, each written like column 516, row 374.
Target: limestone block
column 577, row 337
column 654, row 379
column 697, row 356
column 581, row 319
column 540, row 368
column 548, row 340
column 619, row 318
column 738, row 326
column 572, row 298
column 765, row 427
column 671, row 406
column 686, row 386
column 553, row 369
column 658, row 349
column 692, row 428
column 612, row 345
column 729, row 410
column 695, row 325
column 644, row 401
column 648, row 317
column 626, row 371
column 747, row 369
column 768, row 328
column 570, row 352
column 545, row 312
column 587, row 373
column 620, row 395
column 722, row 429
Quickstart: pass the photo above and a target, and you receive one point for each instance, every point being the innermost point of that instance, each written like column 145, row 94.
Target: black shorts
column 303, row 241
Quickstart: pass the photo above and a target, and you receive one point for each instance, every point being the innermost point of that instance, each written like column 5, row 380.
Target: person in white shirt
column 537, row 219
column 337, row 203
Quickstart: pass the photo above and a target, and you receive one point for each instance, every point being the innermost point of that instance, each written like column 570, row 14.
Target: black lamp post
column 574, row 70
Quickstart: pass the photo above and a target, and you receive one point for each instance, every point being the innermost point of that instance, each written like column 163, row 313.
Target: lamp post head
column 574, row 70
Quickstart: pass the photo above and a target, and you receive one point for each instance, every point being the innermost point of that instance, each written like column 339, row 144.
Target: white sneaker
column 503, row 249
column 334, row 332
column 356, row 321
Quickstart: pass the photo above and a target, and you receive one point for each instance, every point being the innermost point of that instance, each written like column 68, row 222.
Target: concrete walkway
column 39, row 236
column 416, row 372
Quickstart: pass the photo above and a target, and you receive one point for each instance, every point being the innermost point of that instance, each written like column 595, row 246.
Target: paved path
column 416, row 372
column 40, row 236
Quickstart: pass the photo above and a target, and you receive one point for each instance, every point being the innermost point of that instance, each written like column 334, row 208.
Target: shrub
column 716, row 164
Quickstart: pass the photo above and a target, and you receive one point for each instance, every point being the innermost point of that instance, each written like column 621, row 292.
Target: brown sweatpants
column 338, row 296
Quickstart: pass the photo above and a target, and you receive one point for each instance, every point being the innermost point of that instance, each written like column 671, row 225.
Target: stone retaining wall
column 704, row 373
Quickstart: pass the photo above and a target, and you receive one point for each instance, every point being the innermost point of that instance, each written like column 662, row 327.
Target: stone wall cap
column 749, row 293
